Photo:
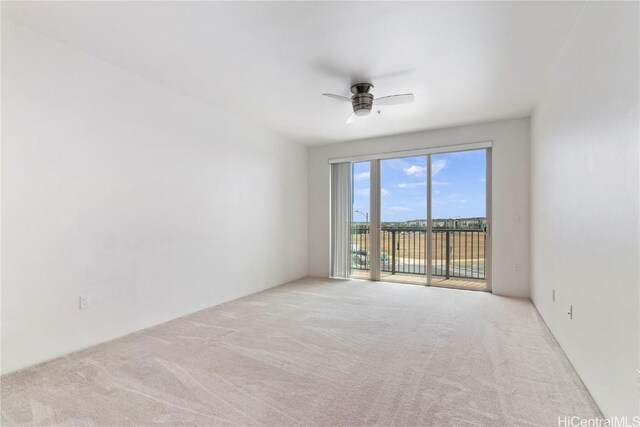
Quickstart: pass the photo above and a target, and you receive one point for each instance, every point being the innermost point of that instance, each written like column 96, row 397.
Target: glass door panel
column 459, row 219
column 360, row 225
column 403, row 220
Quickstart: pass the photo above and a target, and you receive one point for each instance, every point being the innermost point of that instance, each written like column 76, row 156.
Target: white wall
column 151, row 203
column 584, row 201
column 510, row 193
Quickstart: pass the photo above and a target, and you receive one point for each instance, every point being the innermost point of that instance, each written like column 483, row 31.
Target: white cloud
column 437, row 166
column 362, row 176
column 385, row 192
column 421, row 184
column 483, row 180
column 415, row 170
column 411, row 184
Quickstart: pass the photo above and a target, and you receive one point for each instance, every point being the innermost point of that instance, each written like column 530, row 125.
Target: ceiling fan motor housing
column 362, row 100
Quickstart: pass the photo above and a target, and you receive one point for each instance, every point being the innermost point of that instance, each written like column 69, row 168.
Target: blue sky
column 458, row 185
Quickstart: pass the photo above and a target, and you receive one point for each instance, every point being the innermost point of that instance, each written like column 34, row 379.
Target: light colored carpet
column 317, row 352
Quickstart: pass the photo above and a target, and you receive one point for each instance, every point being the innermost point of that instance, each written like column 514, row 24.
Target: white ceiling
column 270, row 61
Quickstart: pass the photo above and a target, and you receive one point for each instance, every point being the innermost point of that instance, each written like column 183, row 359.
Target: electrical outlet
column 85, row 302
column 570, row 313
column 553, row 296
column 517, row 268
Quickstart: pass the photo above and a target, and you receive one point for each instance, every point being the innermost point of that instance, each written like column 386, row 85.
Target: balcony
column 458, row 255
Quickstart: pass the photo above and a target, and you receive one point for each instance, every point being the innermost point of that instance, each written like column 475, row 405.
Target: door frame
column 375, row 268
column 375, row 203
column 488, row 191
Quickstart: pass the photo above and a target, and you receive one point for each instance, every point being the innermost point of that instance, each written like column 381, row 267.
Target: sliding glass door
column 422, row 219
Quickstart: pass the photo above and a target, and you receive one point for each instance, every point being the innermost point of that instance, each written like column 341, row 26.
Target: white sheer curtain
column 341, row 200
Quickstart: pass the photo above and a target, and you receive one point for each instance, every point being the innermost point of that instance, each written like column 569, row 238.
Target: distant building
column 473, row 223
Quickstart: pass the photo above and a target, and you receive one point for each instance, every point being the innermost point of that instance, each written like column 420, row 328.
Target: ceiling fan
column 362, row 100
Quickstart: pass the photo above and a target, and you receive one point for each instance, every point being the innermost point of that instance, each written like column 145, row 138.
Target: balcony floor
column 417, row 279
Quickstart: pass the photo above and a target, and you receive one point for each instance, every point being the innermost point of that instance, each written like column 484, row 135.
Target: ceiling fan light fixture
column 362, row 103
column 362, row 100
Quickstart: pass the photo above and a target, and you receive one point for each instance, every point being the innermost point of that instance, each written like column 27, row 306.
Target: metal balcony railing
column 455, row 252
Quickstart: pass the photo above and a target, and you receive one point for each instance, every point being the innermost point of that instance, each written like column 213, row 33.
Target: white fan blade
column 405, row 98
column 338, row 97
column 351, row 118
